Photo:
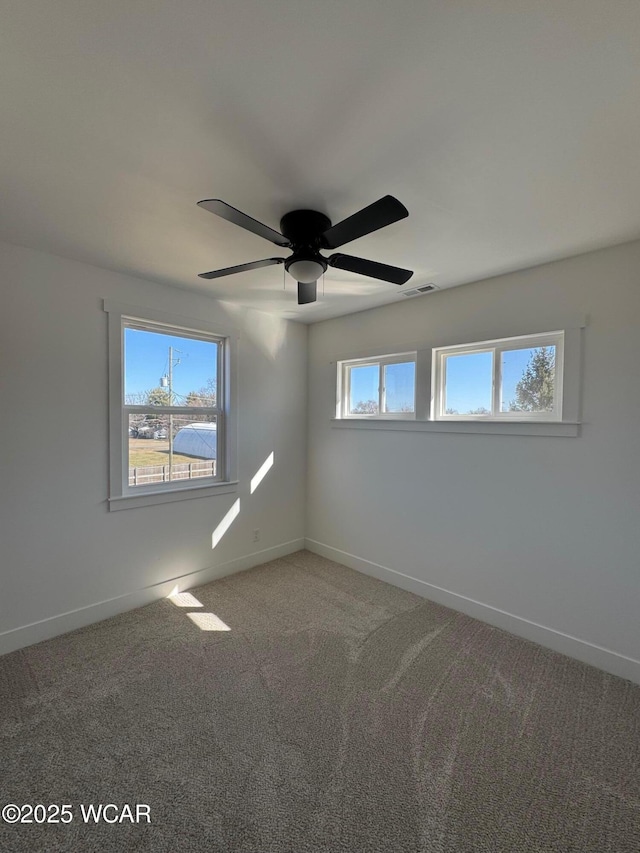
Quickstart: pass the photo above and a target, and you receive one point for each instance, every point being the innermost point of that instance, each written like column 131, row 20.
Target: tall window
column 507, row 379
column 170, row 396
column 378, row 387
column 172, row 387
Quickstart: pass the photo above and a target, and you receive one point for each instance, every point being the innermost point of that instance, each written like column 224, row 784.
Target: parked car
column 160, row 433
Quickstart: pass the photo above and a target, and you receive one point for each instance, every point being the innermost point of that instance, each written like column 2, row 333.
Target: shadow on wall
column 265, row 331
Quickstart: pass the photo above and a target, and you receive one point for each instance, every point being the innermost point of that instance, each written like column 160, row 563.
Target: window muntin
column 506, row 379
column 173, row 413
column 378, row 387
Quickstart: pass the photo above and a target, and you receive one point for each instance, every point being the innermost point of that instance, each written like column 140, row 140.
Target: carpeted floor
column 337, row 714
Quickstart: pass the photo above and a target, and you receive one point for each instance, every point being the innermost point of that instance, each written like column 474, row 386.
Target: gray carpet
column 337, row 714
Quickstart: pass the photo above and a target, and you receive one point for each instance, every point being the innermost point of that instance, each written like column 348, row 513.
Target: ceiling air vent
column 418, row 291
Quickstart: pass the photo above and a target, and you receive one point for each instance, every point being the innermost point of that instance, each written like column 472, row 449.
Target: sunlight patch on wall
column 262, row 471
column 184, row 599
column 225, row 524
column 208, row 622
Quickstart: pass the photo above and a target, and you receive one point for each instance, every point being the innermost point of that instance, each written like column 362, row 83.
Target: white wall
column 512, row 529
column 538, row 534
column 61, row 549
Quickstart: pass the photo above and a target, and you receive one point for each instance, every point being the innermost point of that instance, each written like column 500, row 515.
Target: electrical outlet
column 256, row 535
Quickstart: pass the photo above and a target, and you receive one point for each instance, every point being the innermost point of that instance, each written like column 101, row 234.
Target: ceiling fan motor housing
column 304, row 230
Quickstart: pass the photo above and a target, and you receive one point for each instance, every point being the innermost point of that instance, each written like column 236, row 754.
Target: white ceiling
column 509, row 128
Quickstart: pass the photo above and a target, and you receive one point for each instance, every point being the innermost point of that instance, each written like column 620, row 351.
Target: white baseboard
column 610, row 661
column 27, row 635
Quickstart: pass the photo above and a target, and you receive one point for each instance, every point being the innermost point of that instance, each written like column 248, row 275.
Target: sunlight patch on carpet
column 184, row 599
column 208, row 622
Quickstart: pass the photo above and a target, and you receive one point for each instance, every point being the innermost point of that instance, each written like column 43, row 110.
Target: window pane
column 363, row 399
column 528, row 379
column 168, row 370
column 171, row 447
column 468, row 384
column 399, row 383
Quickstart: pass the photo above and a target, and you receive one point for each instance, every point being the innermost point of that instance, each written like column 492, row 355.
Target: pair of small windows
column 506, row 379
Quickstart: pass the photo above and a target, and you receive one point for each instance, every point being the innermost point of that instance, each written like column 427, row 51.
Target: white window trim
column 569, row 429
column 121, row 495
column 497, row 346
column 381, row 361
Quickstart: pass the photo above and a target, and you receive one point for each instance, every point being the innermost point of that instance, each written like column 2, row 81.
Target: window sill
column 162, row 497
column 568, row 429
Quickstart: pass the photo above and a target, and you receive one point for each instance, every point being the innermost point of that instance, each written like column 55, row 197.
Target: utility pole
column 166, row 381
column 170, row 416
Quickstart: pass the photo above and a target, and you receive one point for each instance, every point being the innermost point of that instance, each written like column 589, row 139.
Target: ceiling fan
column 306, row 232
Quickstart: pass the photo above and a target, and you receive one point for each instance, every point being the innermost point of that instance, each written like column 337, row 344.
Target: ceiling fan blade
column 307, row 292
column 221, row 208
column 396, row 275
column 383, row 212
column 254, row 265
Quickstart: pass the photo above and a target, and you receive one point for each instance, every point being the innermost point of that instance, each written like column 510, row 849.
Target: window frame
column 344, row 385
column 121, row 494
column 497, row 346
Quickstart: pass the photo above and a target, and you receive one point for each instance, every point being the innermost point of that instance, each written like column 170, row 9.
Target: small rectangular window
column 399, row 383
column 468, row 383
column 506, row 379
column 380, row 387
column 364, row 389
column 528, row 379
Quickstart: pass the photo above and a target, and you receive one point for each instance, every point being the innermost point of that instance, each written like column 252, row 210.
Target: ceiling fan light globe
column 306, row 271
